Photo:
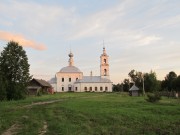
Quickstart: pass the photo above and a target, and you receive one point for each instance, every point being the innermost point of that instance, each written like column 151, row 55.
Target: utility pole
column 143, row 84
column 129, row 83
column 122, row 86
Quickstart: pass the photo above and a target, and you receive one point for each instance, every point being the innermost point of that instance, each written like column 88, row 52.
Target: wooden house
column 39, row 84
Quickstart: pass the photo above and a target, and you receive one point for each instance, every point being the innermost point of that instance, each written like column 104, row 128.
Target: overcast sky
column 138, row 34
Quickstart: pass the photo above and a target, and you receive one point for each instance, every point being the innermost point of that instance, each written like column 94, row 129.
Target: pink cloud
column 7, row 36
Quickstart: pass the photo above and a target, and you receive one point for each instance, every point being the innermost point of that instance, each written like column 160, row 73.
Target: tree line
column 15, row 76
column 149, row 82
column 14, row 72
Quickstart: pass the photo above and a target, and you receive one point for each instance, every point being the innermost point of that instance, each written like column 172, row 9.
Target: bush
column 153, row 97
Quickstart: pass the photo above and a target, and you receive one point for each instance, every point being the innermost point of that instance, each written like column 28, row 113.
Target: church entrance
column 69, row 88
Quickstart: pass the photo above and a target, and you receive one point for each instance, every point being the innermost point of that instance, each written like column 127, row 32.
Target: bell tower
column 104, row 65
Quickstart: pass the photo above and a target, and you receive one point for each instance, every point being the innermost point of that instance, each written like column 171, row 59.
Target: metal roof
column 70, row 69
column 52, row 80
column 93, row 79
column 133, row 88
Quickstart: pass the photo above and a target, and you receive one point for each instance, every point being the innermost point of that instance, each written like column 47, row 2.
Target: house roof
column 133, row 88
column 93, row 79
column 42, row 82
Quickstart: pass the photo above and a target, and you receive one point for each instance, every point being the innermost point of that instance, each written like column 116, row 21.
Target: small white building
column 70, row 78
column 134, row 91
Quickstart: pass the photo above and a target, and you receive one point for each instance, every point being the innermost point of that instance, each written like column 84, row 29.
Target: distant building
column 134, row 91
column 37, row 84
column 70, row 78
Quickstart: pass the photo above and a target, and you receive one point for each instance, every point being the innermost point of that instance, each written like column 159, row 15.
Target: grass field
column 89, row 114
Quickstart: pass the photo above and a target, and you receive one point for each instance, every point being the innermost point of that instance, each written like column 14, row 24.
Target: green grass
column 91, row 113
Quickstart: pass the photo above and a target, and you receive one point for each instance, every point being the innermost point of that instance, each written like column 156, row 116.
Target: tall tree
column 167, row 83
column 176, row 84
column 136, row 77
column 2, row 87
column 150, row 82
column 132, row 75
column 14, row 68
column 126, row 85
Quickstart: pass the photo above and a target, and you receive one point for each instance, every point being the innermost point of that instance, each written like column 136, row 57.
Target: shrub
column 153, row 97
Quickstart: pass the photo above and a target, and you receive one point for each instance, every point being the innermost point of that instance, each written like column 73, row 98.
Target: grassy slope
column 92, row 113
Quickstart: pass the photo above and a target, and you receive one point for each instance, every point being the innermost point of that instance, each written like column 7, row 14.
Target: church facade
column 70, row 78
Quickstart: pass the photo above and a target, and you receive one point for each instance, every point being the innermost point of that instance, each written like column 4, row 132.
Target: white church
column 70, row 78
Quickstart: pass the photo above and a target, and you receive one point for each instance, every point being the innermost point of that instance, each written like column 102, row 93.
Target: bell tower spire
column 104, row 64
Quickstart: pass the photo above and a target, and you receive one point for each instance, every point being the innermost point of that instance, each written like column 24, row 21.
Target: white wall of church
column 93, row 87
column 65, row 81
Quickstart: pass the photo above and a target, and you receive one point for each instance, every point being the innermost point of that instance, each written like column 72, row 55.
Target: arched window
column 106, row 88
column 69, row 79
column 85, row 88
column 105, row 61
column 76, row 79
column 63, row 79
column 101, row 88
column 105, row 72
column 90, row 88
column 96, row 89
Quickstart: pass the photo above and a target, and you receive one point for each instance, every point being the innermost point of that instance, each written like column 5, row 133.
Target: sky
column 138, row 34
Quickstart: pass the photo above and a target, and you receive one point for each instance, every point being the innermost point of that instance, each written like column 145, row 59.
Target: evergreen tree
column 14, row 69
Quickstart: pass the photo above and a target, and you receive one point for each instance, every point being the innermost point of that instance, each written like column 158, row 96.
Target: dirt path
column 44, row 129
column 43, row 103
column 54, row 101
column 12, row 130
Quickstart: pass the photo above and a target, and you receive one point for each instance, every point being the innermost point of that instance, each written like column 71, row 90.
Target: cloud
column 45, row 19
column 97, row 23
column 146, row 40
column 110, row 24
column 7, row 36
